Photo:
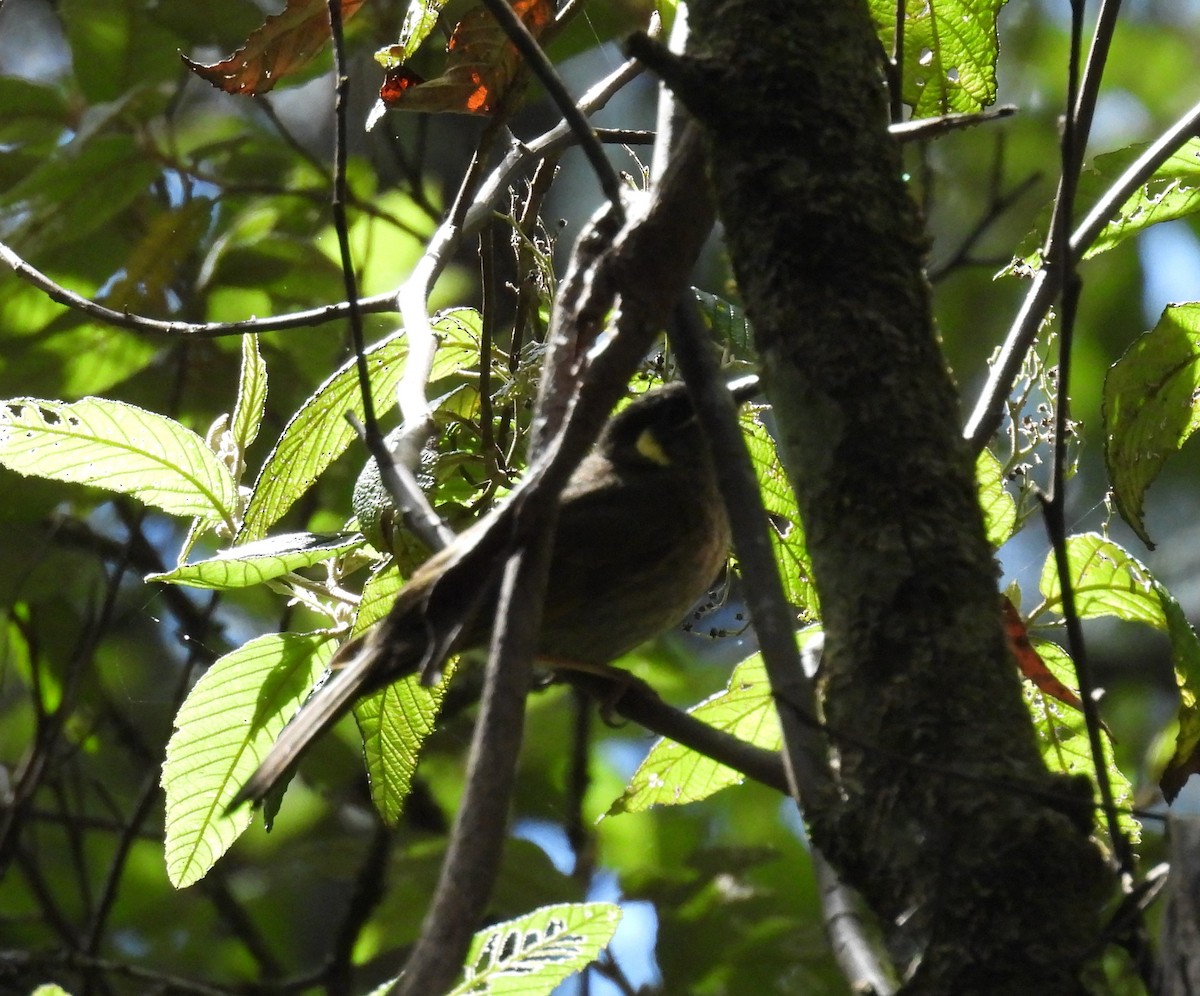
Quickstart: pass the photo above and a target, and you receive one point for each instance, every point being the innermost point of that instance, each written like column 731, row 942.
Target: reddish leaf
column 285, row 43
column 481, row 65
column 1029, row 661
column 396, row 83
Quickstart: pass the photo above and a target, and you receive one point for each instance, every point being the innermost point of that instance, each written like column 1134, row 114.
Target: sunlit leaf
column 121, row 448
column 394, row 722
column 1151, row 407
column 535, row 952
column 319, row 433
column 787, row 535
column 1063, row 739
column 223, row 731
column 999, row 508
column 254, row 563
column 419, row 21
column 251, row 396
column 1173, row 192
column 672, row 775
column 1110, row 582
column 950, row 52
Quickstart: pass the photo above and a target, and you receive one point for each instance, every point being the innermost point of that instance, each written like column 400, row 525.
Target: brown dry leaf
column 286, row 42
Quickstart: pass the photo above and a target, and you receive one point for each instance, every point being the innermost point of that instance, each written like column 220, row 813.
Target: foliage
column 182, row 559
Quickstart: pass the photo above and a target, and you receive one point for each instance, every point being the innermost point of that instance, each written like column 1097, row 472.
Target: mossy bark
column 950, row 819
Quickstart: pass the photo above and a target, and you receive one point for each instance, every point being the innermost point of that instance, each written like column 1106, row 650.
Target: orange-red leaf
column 1029, row 661
column 481, row 65
column 286, row 42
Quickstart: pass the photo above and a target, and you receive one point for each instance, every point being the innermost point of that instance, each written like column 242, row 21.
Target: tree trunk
column 950, row 823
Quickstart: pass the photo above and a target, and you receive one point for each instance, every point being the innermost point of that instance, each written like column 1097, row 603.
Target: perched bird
column 641, row 535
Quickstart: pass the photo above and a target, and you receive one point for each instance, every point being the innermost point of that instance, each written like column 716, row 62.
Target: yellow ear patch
column 649, row 447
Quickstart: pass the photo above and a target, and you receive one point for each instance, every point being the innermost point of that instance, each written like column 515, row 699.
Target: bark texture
column 950, row 823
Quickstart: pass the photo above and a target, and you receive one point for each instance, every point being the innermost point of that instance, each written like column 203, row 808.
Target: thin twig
column 1054, row 503
column 805, row 748
column 378, row 304
column 929, row 128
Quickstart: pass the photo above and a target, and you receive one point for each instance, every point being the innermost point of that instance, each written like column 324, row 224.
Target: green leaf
column 1173, row 192
column 1110, row 582
column 1063, row 738
column 999, row 508
column 1150, row 407
column 225, row 728
column 787, row 535
column 394, row 722
column 950, row 52
column 1107, row 581
column 673, row 775
column 728, row 324
column 1185, row 652
column 533, row 953
column 255, row 563
column 251, row 396
column 419, row 21
column 121, row 448
column 318, row 433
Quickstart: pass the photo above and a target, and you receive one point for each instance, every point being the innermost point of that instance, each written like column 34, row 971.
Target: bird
column 642, row 533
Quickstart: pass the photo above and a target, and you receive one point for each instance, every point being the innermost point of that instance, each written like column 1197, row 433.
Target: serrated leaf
column 1111, row 582
column 1151, row 407
column 673, row 775
column 999, row 508
column 254, row 563
column 222, row 732
column 1063, row 739
column 284, row 44
column 1107, row 581
column 1173, row 192
column 787, row 536
column 393, row 723
column 950, row 52
column 318, row 433
column 251, row 396
column 1185, row 656
column 121, row 448
column 535, row 952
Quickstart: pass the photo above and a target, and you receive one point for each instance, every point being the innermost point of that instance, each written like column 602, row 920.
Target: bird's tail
column 324, row 707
